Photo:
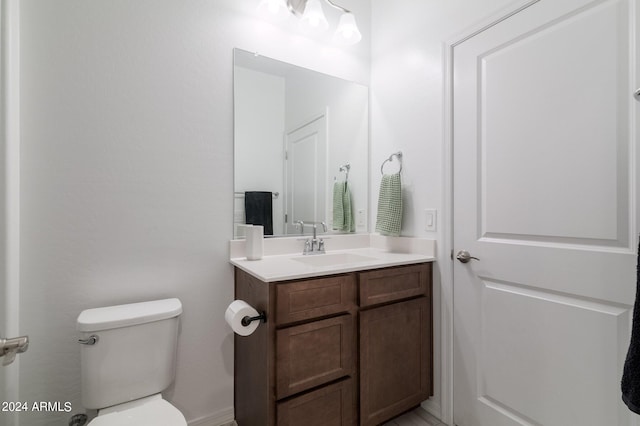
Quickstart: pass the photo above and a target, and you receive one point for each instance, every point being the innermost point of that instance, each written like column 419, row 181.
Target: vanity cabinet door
column 309, row 299
column 391, row 284
column 395, row 359
column 312, row 354
column 332, row 405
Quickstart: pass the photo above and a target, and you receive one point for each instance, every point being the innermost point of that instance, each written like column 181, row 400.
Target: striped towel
column 342, row 214
column 389, row 220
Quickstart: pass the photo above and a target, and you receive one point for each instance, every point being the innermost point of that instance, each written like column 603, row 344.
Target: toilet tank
column 134, row 355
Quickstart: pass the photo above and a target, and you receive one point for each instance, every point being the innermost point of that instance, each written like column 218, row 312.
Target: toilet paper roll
column 237, row 310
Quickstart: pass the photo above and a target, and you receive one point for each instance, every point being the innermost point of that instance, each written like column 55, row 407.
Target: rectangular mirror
column 299, row 135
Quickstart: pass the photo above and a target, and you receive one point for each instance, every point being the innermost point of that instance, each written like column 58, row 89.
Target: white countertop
column 286, row 266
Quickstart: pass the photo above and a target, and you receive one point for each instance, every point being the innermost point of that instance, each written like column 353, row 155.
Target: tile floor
column 417, row 417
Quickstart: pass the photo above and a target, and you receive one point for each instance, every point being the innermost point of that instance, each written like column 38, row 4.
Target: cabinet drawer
column 332, row 405
column 387, row 285
column 312, row 354
column 309, row 299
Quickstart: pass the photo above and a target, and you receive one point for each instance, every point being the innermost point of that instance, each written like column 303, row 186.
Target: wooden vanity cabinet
column 299, row 367
column 396, row 349
column 321, row 360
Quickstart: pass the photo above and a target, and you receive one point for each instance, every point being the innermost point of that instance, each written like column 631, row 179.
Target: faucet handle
column 307, row 246
column 321, row 245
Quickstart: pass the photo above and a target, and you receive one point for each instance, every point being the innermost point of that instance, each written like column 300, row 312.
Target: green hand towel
column 342, row 211
column 389, row 220
column 349, row 222
column 338, row 206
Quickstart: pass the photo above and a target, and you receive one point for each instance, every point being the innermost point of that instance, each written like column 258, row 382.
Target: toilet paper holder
column 246, row 321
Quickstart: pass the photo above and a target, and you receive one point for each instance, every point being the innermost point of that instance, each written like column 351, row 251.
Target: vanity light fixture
column 348, row 32
column 313, row 20
column 276, row 8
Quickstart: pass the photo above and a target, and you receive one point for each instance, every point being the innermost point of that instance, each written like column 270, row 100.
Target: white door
column 545, row 195
column 306, row 148
column 3, row 293
column 9, row 209
column 3, row 329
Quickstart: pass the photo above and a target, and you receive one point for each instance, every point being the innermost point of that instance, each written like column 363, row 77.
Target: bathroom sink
column 332, row 259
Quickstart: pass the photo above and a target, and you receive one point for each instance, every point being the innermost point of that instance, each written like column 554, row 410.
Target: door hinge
column 286, row 155
column 286, row 218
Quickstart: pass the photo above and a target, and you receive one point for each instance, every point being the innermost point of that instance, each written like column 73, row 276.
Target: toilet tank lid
column 126, row 315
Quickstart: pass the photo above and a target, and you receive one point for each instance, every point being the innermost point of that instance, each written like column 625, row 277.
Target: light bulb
column 313, row 17
column 274, row 9
column 347, row 32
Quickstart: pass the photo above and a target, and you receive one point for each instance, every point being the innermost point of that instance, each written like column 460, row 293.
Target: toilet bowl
column 127, row 359
column 148, row 411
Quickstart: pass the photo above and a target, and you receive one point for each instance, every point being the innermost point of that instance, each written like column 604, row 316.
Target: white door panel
column 306, row 174
column 525, row 120
column 569, row 344
column 544, row 195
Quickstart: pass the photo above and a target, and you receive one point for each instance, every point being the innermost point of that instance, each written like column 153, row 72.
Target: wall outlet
column 430, row 220
column 361, row 219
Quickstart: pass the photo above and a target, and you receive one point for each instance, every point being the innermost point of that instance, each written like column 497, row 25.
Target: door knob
column 9, row 348
column 636, row 95
column 464, row 256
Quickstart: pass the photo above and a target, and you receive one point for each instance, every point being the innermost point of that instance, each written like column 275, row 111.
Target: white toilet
column 127, row 359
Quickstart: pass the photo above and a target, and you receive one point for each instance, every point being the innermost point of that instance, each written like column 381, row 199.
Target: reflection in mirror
column 301, row 148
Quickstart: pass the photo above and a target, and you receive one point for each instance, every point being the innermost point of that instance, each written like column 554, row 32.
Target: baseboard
column 433, row 408
column 224, row 417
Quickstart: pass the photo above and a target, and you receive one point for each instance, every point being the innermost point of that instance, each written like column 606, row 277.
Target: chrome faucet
column 313, row 245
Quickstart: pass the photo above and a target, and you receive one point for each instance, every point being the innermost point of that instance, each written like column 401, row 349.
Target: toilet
column 127, row 358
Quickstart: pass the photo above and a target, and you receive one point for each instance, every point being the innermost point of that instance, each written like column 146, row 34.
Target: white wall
column 259, row 114
column 127, row 175
column 407, row 115
column 348, row 131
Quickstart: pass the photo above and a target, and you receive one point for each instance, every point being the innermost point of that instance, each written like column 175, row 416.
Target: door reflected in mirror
column 294, row 130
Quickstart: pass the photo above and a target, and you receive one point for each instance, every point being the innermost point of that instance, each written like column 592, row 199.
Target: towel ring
column 396, row 154
column 345, row 168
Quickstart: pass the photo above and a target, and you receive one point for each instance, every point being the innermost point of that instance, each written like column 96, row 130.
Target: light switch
column 361, row 218
column 431, row 219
